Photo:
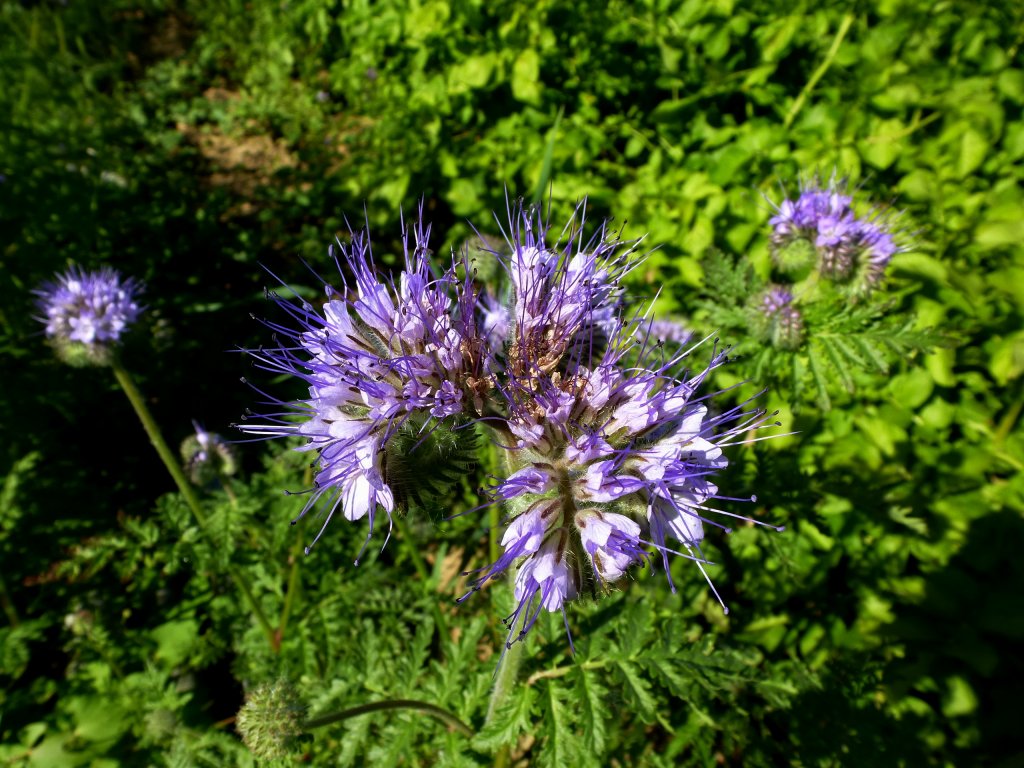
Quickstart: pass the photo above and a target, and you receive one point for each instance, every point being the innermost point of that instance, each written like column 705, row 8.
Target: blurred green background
column 196, row 145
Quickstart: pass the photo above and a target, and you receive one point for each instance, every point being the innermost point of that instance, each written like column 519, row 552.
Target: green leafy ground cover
column 188, row 144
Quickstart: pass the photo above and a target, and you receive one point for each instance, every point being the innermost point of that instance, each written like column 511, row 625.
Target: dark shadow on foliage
column 970, row 625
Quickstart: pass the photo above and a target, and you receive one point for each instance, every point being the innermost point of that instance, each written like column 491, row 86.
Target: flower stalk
column 131, row 390
column 427, row 708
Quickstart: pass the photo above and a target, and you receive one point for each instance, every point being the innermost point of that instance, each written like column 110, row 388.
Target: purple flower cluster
column 610, row 450
column 86, row 312
column 850, row 248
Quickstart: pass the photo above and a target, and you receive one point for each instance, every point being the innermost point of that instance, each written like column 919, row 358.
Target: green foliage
column 185, row 143
column 842, row 341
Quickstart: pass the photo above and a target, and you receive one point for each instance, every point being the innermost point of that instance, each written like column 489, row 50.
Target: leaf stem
column 548, row 674
column 421, row 706
column 819, row 73
column 171, row 463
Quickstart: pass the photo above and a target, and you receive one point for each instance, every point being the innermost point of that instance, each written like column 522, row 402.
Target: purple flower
column 565, row 291
column 851, row 250
column 775, row 299
column 666, row 332
column 611, row 540
column 378, row 357
column 86, row 313
column 619, row 462
column 494, row 322
column 608, row 461
column 805, row 216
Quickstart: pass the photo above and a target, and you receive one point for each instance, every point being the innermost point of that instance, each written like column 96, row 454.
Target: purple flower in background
column 494, row 321
column 815, row 209
column 850, row 250
column 666, row 332
column 775, row 299
column 87, row 312
column 207, row 456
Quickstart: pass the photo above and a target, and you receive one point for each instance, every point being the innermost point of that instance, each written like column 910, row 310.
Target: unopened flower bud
column 270, row 722
column 795, row 256
column 780, row 322
column 207, row 457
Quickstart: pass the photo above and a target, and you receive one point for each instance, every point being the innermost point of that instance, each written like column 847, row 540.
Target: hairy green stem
column 505, row 680
column 420, row 706
column 171, row 463
column 819, row 73
column 498, row 463
column 293, row 570
column 225, row 485
column 507, row 674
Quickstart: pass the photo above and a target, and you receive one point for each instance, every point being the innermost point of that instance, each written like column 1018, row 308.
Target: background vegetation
column 191, row 144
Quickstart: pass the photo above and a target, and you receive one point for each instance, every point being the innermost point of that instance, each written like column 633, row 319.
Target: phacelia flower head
column 615, row 463
column 271, row 721
column 380, row 358
column 850, row 250
column 87, row 312
column 565, row 290
column 611, row 447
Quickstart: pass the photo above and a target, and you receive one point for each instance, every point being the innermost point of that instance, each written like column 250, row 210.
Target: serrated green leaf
column 869, row 351
column 593, row 698
column 820, row 382
column 562, row 746
column 637, row 690
column 511, row 719
column 835, row 358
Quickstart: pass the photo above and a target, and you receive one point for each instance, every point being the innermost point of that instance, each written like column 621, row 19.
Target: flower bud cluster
column 610, row 450
column 783, row 320
column 271, row 721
